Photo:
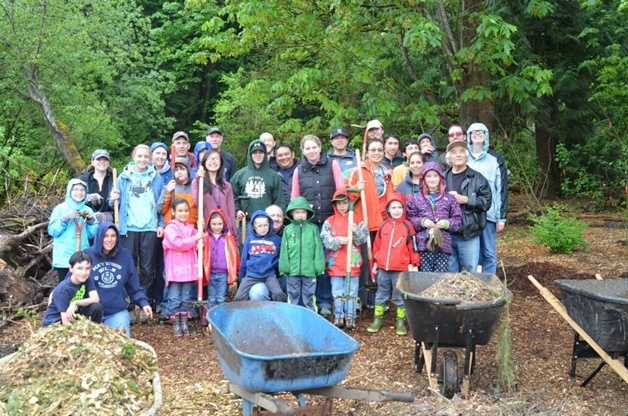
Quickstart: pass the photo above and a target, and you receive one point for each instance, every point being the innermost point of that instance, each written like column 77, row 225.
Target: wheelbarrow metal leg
column 251, row 398
column 435, row 350
column 419, row 359
column 593, row 374
column 469, row 355
column 361, row 394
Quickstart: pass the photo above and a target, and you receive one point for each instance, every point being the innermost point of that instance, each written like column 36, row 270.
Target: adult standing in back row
column 317, row 178
column 214, row 137
column 485, row 163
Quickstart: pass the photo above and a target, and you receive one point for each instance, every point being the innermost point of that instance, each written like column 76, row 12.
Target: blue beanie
column 159, row 144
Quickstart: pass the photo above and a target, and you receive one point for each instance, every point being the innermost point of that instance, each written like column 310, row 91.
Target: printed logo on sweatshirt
column 106, row 274
column 262, row 247
column 255, row 187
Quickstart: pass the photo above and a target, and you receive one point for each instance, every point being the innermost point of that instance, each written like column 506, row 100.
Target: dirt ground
column 541, row 349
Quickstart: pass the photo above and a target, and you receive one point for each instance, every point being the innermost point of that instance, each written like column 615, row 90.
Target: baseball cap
column 338, row 132
column 374, row 124
column 457, row 143
column 100, row 153
column 213, row 130
column 257, row 145
column 180, row 134
column 340, row 197
column 159, row 144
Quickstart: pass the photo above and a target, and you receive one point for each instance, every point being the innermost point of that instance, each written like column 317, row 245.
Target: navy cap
column 339, row 132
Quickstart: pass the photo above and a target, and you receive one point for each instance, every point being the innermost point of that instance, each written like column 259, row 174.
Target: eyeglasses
column 213, row 159
column 376, row 150
column 477, row 132
column 456, row 134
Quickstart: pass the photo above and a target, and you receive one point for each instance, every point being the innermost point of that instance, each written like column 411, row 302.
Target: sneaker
column 350, row 323
column 339, row 322
column 325, row 312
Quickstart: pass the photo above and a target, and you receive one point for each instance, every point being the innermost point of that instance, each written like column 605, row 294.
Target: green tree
column 85, row 66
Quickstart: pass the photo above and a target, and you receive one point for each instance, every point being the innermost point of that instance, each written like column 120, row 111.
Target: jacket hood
column 424, row 135
column 338, row 193
column 197, row 149
column 130, row 168
column 474, row 127
column 255, row 145
column 68, row 197
column 299, row 202
column 100, row 236
column 396, row 196
column 261, row 214
column 435, row 166
column 225, row 227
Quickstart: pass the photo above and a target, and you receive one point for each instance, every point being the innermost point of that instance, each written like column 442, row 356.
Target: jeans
column 464, row 253
column 160, row 290
column 323, row 292
column 142, row 247
column 276, row 293
column 488, row 248
column 387, row 287
column 260, row 291
column 217, row 289
column 119, row 320
column 178, row 297
column 344, row 303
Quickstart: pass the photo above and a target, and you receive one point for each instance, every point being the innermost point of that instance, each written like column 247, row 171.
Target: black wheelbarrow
column 270, row 347
column 448, row 323
column 600, row 307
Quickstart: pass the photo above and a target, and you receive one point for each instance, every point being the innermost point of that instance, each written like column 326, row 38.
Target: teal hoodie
column 256, row 188
column 301, row 247
column 64, row 233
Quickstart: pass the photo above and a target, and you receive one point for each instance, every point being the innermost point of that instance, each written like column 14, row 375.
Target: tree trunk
column 60, row 132
column 546, row 155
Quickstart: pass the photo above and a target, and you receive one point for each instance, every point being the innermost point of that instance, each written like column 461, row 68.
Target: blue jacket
column 124, row 185
column 114, row 274
column 260, row 254
column 64, row 233
column 488, row 166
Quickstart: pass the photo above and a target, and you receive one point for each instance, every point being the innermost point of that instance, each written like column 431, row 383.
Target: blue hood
column 474, row 127
column 77, row 205
column 261, row 214
column 197, row 149
column 100, row 236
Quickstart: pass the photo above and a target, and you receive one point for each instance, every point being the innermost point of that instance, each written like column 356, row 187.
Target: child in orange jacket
column 393, row 253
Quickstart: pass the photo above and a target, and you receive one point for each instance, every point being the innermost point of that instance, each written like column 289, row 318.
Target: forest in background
column 549, row 78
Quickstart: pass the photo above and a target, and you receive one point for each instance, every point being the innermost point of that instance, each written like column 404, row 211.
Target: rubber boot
column 185, row 328
column 400, row 327
column 176, row 327
column 377, row 320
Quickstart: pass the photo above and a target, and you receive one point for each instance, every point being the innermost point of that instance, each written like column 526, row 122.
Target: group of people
column 349, row 220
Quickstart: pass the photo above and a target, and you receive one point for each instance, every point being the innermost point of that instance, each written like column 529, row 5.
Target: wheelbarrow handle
column 362, row 394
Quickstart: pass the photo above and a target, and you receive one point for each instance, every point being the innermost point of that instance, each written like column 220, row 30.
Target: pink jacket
column 180, row 252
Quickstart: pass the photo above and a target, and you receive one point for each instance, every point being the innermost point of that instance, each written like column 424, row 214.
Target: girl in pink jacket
column 180, row 241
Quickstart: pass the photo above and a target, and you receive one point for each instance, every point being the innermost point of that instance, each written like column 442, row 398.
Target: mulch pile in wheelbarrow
column 462, row 286
column 81, row 369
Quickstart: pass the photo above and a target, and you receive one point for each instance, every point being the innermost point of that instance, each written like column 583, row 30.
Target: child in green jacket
column 301, row 257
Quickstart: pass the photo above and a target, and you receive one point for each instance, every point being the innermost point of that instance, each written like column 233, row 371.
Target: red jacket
column 376, row 212
column 392, row 248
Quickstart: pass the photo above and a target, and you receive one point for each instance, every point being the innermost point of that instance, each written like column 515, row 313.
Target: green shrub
column 561, row 234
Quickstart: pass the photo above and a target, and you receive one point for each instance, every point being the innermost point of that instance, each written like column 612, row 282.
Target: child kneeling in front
column 301, row 258
column 335, row 237
column 393, row 253
column 180, row 241
column 68, row 298
column 260, row 257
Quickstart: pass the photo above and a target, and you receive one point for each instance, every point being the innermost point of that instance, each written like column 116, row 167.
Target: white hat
column 374, row 124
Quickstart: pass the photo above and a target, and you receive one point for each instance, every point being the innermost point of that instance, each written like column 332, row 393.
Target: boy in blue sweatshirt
column 75, row 295
column 260, row 257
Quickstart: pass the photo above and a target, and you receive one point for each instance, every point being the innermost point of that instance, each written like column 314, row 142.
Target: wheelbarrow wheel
column 449, row 374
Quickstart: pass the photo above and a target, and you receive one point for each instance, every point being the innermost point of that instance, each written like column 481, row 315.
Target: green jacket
column 301, row 247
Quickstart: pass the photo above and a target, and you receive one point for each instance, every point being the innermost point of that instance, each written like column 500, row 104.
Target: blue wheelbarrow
column 266, row 348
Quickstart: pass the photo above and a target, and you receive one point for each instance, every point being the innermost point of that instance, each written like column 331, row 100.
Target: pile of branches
column 25, row 253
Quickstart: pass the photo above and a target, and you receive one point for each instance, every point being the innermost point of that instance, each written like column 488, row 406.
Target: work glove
column 435, row 240
column 104, row 217
column 94, row 199
column 89, row 218
column 70, row 216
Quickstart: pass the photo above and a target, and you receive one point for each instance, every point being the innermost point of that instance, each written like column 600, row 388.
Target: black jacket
column 477, row 189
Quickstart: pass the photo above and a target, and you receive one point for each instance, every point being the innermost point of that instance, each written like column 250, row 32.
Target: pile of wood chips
column 80, row 369
column 464, row 287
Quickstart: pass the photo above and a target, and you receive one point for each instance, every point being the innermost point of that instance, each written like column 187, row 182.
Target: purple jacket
column 444, row 207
